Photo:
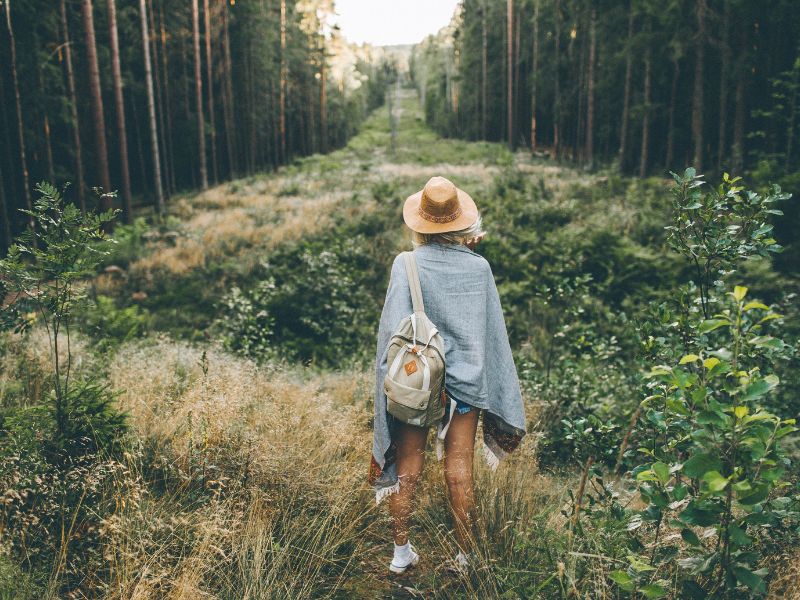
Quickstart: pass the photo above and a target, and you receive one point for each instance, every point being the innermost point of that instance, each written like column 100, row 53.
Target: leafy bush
column 110, row 326
column 711, row 465
column 314, row 301
column 126, row 244
column 715, row 455
column 56, row 453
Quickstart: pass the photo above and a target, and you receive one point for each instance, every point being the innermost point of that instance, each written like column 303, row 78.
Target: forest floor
column 249, row 481
column 308, row 428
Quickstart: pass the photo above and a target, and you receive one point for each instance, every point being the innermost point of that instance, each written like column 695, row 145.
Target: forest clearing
column 187, row 377
column 248, row 479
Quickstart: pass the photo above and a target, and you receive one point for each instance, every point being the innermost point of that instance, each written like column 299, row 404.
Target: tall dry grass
column 250, row 482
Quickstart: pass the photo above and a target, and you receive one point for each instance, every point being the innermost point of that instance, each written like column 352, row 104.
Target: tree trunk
column 198, row 92
column 227, row 94
column 166, row 165
column 169, row 159
column 210, row 81
column 323, row 102
column 119, row 101
column 73, row 107
column 515, row 108
column 510, row 71
column 643, row 158
column 556, row 85
column 484, row 73
column 737, row 162
column 48, row 145
column 535, row 72
column 697, row 96
column 581, row 65
column 18, row 104
column 793, row 90
column 589, row 152
column 626, row 94
column 137, row 131
column 673, row 99
column 96, row 98
column 4, row 213
column 283, row 76
column 725, row 58
column 249, row 111
column 151, row 109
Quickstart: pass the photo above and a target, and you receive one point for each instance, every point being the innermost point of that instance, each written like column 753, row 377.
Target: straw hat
column 439, row 207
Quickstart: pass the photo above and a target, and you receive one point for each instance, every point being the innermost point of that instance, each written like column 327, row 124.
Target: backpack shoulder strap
column 413, row 281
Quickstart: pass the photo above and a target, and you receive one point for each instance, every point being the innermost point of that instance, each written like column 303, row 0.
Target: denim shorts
column 461, row 406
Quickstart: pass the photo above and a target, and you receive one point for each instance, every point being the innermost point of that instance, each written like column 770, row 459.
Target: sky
column 390, row 22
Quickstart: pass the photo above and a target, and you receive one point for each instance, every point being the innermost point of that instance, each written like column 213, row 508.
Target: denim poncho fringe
column 462, row 301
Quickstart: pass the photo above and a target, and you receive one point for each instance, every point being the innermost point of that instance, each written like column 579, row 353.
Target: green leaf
column 756, row 495
column 699, row 464
column 739, row 536
column 756, row 390
column 653, row 590
column 739, row 292
column 689, row 358
column 659, row 370
column 755, row 304
column 770, row 317
column 712, row 324
column 690, row 537
column 712, row 417
column 711, row 362
column 639, row 565
column 679, row 492
column 696, row 515
column 662, row 471
column 750, row 579
column 766, row 341
column 741, row 411
column 774, row 474
column 646, row 475
column 715, row 481
column 622, row 579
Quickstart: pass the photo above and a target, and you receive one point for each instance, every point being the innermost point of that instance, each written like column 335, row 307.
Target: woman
column 461, row 300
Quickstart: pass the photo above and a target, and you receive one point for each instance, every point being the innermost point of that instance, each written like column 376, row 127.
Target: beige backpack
column 414, row 385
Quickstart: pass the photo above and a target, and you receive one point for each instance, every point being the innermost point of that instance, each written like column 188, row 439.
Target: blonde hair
column 460, row 237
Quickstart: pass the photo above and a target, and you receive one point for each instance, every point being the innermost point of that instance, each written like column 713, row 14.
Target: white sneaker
column 401, row 566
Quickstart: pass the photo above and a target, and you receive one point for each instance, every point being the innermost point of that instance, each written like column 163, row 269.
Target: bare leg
column 410, row 442
column 460, row 449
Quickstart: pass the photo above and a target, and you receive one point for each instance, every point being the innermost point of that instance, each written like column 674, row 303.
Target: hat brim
column 415, row 222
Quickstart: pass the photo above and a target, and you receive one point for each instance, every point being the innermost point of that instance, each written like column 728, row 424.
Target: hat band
column 443, row 219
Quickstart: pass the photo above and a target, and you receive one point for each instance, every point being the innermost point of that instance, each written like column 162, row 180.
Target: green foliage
column 713, row 458
column 710, row 459
column 55, row 446
column 63, row 488
column 313, row 302
column 718, row 228
column 43, row 268
column 126, row 244
column 110, row 326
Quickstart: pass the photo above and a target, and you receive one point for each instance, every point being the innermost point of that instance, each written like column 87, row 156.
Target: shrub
column 711, row 465
column 54, row 453
column 314, row 301
column 110, row 326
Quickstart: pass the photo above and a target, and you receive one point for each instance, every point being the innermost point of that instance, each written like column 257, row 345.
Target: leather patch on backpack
column 410, row 367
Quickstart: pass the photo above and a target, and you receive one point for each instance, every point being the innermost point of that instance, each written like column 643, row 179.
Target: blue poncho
column 461, row 299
